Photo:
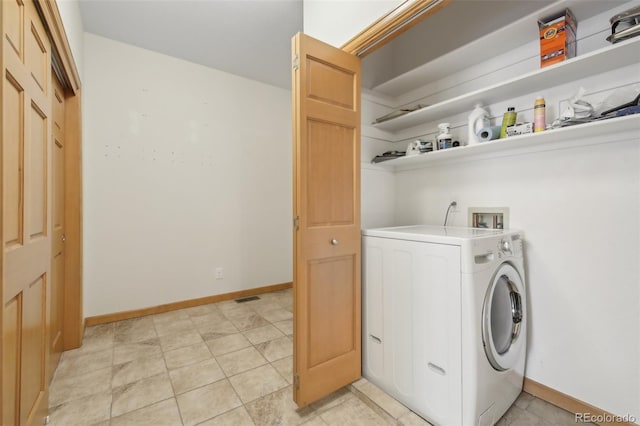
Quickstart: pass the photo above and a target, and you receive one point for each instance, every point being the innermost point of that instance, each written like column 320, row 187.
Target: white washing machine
column 445, row 320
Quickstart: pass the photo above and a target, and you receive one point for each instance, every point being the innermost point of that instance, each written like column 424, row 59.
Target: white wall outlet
column 219, row 273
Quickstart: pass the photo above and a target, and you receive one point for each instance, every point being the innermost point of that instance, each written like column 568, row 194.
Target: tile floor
column 220, row 364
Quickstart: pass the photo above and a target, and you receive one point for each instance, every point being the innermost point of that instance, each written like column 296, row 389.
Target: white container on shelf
column 478, row 119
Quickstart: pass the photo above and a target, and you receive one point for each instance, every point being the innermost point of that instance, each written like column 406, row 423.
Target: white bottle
column 478, row 119
column 444, row 138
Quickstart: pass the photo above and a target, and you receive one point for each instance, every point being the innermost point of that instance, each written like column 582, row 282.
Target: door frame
column 65, row 66
column 391, row 25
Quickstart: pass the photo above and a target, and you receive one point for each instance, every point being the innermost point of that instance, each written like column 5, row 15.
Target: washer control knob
column 505, row 245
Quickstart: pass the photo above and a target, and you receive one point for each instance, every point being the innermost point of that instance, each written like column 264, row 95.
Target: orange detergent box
column 557, row 38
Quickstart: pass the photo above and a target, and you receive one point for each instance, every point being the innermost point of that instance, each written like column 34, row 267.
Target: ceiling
column 249, row 38
column 252, row 38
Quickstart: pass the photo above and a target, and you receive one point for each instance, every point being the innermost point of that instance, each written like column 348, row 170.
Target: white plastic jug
column 478, row 119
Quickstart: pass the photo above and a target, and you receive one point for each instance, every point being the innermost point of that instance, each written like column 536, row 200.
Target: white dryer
column 445, row 320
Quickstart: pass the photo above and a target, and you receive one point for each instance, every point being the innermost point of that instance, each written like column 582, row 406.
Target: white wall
column 337, row 21
column 185, row 169
column 579, row 209
column 72, row 22
column 580, row 212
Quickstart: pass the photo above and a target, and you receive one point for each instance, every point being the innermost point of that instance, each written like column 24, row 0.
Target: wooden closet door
column 26, row 74
column 326, row 145
column 57, row 230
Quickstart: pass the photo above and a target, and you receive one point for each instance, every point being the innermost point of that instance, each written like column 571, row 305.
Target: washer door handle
column 516, row 306
column 516, row 311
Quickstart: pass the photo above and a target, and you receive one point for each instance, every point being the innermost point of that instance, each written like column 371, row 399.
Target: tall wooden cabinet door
column 26, row 80
column 57, row 230
column 326, row 167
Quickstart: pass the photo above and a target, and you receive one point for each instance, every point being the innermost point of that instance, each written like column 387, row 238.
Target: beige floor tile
column 412, row 419
column 237, row 311
column 277, row 315
column 226, row 344
column 140, row 394
column 284, row 366
column 212, row 316
column 278, row 408
column 70, row 388
column 315, row 421
column 264, row 305
column 332, row 400
column 352, row 412
column 138, row 369
column 80, row 364
column 274, row 350
column 163, row 413
column 250, row 321
column 135, row 330
column 550, row 413
column 99, row 330
column 519, row 417
column 216, row 329
column 511, row 414
column 263, row 334
column 384, row 401
column 200, row 310
column 256, row 383
column 180, row 340
column 133, row 324
column 502, row 422
column 169, row 317
column 285, row 326
column 186, row 356
column 101, row 337
column 231, row 305
column 236, row 417
column 239, row 361
column 88, row 397
column 193, row 376
column 360, row 382
column 524, row 400
column 179, row 326
column 88, row 410
column 207, row 402
column 126, row 352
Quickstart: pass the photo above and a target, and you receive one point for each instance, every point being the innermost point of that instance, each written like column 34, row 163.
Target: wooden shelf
column 602, row 60
column 596, row 132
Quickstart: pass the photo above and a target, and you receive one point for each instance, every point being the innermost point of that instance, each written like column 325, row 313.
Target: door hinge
column 296, row 222
column 296, row 381
column 294, row 63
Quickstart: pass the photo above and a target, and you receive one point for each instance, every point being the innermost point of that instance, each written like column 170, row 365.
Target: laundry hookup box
column 557, row 38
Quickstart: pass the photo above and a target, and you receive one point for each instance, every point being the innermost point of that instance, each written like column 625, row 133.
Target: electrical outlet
column 219, row 273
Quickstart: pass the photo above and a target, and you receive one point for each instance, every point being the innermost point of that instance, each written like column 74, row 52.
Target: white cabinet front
column 411, row 324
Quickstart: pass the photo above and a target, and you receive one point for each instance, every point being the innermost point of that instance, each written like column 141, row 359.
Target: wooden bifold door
column 326, row 135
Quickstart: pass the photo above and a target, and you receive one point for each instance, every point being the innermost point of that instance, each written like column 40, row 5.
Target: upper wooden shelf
column 596, row 132
column 602, row 60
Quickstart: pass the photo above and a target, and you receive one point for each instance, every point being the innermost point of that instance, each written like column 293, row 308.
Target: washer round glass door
column 503, row 317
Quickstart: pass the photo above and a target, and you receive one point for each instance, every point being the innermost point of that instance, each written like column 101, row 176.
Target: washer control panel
column 510, row 245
